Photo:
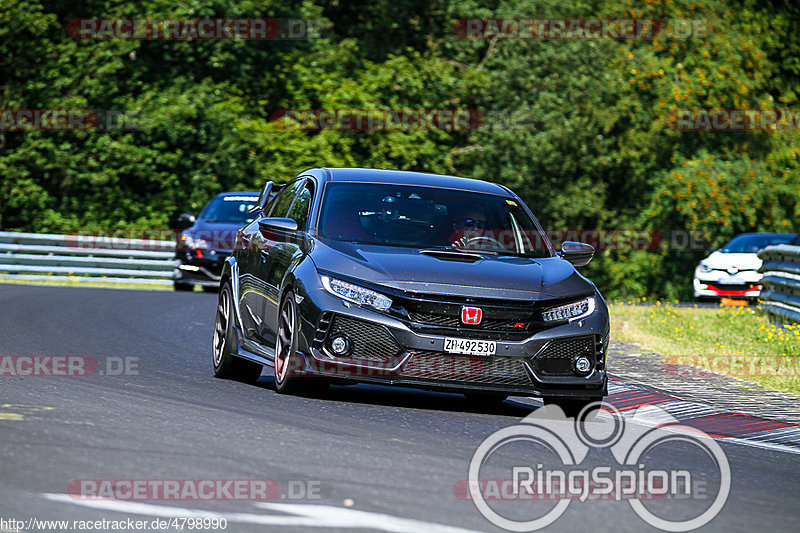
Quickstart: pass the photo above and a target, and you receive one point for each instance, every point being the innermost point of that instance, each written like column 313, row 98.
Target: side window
column 301, row 207
column 281, row 203
column 269, row 203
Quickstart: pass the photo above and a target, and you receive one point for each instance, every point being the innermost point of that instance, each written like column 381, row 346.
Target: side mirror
column 263, row 199
column 278, row 224
column 577, row 253
column 186, row 220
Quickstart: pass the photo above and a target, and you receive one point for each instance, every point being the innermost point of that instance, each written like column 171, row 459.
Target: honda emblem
column 471, row 315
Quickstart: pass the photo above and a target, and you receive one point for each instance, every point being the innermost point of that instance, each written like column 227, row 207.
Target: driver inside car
column 469, row 228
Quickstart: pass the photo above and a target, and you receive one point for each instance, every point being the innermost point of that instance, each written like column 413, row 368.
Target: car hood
column 724, row 261
column 406, row 269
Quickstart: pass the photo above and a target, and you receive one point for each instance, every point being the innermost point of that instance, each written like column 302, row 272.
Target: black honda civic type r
column 404, row 278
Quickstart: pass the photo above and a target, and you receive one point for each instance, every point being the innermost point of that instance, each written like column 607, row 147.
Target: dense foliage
column 588, row 143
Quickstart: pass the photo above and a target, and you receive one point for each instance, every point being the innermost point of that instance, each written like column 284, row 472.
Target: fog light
column 340, row 345
column 583, row 365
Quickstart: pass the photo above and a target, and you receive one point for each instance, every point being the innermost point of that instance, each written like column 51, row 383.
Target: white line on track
column 305, row 515
column 683, row 410
column 656, row 422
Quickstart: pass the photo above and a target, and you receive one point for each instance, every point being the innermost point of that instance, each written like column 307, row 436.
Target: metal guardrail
column 780, row 286
column 40, row 257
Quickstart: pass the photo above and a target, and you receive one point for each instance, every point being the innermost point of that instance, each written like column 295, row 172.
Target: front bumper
column 390, row 351
column 706, row 287
column 200, row 267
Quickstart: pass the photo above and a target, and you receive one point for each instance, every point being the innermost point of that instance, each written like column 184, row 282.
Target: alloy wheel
column 221, row 326
column 284, row 349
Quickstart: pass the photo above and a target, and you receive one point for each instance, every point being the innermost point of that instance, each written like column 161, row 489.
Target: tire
column 286, row 358
column 288, row 376
column 485, row 398
column 226, row 364
column 181, row 287
column 574, row 407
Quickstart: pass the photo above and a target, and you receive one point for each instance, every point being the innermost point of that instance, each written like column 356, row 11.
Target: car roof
column 405, row 177
column 241, row 193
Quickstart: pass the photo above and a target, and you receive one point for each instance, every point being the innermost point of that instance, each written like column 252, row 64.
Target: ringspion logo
column 641, row 469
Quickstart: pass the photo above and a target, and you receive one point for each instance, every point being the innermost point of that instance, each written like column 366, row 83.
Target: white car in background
column 732, row 271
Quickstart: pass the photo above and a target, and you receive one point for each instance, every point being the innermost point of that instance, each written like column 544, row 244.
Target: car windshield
column 751, row 244
column 229, row 209
column 429, row 217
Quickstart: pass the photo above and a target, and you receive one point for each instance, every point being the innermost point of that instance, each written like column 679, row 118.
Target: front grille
column 431, row 319
column 368, row 342
column 555, row 359
column 739, row 287
column 502, row 318
column 449, row 321
column 472, row 369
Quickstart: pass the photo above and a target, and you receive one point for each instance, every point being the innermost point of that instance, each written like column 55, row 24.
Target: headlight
column 570, row 312
column 356, row 294
column 194, row 243
column 704, row 268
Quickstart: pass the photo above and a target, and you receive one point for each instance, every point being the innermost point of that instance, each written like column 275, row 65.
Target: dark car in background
column 206, row 240
column 405, row 278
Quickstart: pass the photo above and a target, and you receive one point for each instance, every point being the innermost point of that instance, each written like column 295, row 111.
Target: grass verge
column 732, row 341
column 80, row 282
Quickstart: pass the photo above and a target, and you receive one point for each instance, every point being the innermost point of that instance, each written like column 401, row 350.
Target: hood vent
column 455, row 255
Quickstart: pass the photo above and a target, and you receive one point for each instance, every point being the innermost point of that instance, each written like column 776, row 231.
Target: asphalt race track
column 360, row 457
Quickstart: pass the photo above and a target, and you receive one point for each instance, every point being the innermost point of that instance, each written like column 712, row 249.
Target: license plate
column 469, row 346
column 731, row 280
